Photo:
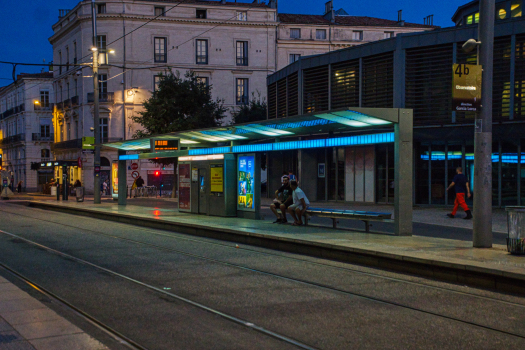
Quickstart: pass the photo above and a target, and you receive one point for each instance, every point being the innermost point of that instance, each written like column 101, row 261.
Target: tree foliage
column 179, row 104
column 254, row 110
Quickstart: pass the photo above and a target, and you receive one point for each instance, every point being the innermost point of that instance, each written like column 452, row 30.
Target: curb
column 469, row 275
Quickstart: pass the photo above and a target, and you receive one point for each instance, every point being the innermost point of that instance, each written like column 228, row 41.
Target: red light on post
column 157, row 173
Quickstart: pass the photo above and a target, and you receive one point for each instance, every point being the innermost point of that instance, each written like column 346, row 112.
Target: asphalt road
column 318, row 303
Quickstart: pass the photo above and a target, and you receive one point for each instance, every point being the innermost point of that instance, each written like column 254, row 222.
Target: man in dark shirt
column 460, row 183
column 284, row 202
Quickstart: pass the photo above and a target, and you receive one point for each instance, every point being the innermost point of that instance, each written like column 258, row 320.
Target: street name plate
column 466, row 88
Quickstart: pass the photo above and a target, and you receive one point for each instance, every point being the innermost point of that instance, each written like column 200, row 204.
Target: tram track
column 179, row 236
column 274, row 275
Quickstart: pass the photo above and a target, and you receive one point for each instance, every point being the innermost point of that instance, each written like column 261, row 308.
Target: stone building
column 26, row 128
column 233, row 46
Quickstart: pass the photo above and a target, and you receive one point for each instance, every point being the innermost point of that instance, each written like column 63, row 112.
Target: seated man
column 285, row 200
column 300, row 204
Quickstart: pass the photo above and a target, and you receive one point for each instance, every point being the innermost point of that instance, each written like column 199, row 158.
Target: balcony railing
column 104, row 97
column 13, row 139
column 43, row 107
column 67, row 103
column 42, row 137
column 60, row 105
column 62, row 13
column 74, row 101
column 76, row 143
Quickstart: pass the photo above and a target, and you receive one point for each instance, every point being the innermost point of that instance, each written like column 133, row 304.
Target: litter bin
column 53, row 190
column 80, row 194
column 516, row 230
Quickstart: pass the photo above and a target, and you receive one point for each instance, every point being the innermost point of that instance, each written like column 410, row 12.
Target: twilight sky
column 25, row 26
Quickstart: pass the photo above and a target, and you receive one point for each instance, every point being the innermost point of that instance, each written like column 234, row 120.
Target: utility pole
column 483, row 131
column 96, row 120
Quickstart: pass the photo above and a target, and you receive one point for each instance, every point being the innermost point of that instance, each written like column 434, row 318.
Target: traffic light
column 157, row 173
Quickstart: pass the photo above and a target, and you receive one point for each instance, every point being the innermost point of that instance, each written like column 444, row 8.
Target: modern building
column 26, row 128
column 233, row 46
column 413, row 70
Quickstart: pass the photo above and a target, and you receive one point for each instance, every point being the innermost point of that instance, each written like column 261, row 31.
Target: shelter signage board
column 245, row 176
column 165, row 145
column 88, row 142
column 466, row 88
column 217, row 178
column 184, row 187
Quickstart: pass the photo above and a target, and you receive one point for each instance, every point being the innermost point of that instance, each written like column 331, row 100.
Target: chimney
column 429, row 20
column 223, row 1
column 329, row 13
column 400, row 21
column 272, row 4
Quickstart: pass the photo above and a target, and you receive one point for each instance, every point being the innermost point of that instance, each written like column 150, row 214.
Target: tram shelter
column 219, row 168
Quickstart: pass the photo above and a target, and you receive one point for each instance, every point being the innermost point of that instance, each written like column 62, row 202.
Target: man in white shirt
column 300, row 204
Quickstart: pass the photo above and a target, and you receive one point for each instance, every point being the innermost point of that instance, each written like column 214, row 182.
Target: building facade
column 233, row 46
column 413, row 71
column 26, row 128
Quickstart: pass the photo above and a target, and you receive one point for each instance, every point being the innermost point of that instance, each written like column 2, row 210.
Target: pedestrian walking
column 19, row 186
column 460, row 184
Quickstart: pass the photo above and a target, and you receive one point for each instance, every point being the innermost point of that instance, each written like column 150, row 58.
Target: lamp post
column 96, row 118
column 482, row 232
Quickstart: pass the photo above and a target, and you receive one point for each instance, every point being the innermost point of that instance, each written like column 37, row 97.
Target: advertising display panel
column 184, row 187
column 245, row 185
column 466, row 88
column 114, row 180
column 217, row 178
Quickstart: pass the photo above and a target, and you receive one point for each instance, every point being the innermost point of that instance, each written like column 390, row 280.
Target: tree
column 255, row 110
column 179, row 104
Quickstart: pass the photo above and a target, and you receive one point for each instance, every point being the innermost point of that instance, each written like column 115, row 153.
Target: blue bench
column 335, row 214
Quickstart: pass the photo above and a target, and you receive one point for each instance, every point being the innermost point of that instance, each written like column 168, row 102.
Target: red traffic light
column 157, row 173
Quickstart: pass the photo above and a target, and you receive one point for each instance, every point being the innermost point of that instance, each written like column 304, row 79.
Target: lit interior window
column 502, row 14
column 469, row 19
column 515, row 8
column 476, row 18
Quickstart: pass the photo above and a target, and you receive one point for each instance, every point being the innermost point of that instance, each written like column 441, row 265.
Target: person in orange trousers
column 460, row 182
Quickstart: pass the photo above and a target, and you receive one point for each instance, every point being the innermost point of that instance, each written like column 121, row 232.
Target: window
column 470, row 19
column 476, row 17
column 242, row 53
column 358, row 35
column 202, row 51
column 44, row 99
column 161, row 50
column 242, row 16
column 501, row 13
column 201, row 13
column 76, row 129
column 67, row 87
column 44, row 153
column 67, row 58
column 103, row 129
column 74, row 52
column 241, row 91
column 69, row 131
column 101, row 42
column 156, row 82
column 159, row 11
column 515, row 8
column 103, row 86
column 320, row 34
column 203, row 80
column 101, row 8
column 60, row 62
column 45, row 130
column 388, row 35
column 294, row 57
column 75, row 84
column 295, row 33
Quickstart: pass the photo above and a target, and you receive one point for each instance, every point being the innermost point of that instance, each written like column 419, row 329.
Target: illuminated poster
column 114, row 179
column 245, row 174
column 184, row 187
column 217, row 178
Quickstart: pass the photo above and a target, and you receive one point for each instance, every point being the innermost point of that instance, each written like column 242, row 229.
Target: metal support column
column 482, row 227
column 122, row 179
column 96, row 118
column 403, row 173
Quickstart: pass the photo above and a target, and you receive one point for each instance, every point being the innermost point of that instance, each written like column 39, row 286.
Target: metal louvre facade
column 378, row 81
column 345, row 84
column 428, row 79
column 316, row 89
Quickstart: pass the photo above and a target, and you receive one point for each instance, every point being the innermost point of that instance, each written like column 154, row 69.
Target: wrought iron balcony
column 67, row 103
column 70, row 144
column 74, row 101
column 43, row 107
column 60, row 105
column 43, row 137
column 104, row 97
column 13, row 139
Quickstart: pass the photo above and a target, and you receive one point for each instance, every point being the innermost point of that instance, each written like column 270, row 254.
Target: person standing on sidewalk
column 460, row 182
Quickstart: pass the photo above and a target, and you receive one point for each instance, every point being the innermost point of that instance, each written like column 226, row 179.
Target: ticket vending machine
column 207, row 185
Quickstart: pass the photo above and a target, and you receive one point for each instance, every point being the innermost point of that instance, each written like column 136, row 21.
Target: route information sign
column 466, row 88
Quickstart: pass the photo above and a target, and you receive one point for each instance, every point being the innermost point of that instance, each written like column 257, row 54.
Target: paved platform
column 446, row 259
column 27, row 324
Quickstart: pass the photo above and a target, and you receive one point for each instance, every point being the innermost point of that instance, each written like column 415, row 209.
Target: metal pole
column 482, row 233
column 96, row 120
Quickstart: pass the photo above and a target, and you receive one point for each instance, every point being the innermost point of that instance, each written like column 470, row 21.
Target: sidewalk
column 27, row 324
column 445, row 259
